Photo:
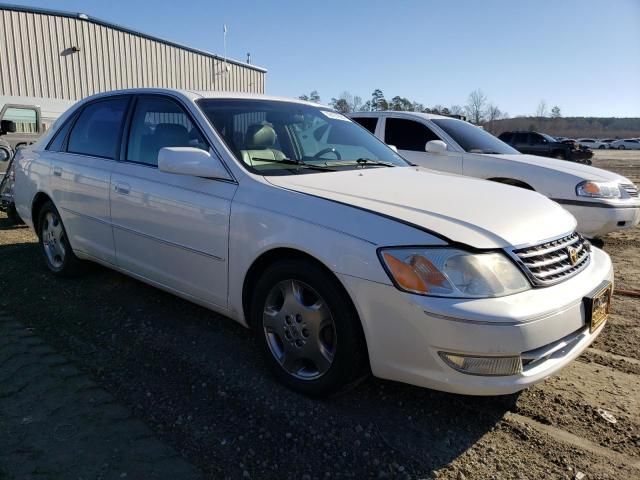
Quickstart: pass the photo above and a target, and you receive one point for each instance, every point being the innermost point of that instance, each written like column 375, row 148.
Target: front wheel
column 307, row 328
column 621, row 147
column 54, row 243
column 560, row 155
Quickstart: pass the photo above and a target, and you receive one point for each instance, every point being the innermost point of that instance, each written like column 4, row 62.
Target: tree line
column 480, row 110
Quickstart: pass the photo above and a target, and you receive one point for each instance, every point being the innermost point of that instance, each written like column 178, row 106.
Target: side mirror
column 7, row 126
column 190, row 161
column 435, row 146
column 393, row 147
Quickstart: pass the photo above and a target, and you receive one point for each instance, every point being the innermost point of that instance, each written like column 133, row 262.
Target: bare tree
column 542, row 111
column 456, row 110
column 356, row 104
column 346, row 102
column 476, row 105
column 493, row 114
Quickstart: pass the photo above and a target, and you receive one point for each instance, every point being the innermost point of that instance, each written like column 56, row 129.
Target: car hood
column 475, row 212
column 585, row 172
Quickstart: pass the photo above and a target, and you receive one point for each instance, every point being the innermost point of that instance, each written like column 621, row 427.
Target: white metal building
column 50, row 54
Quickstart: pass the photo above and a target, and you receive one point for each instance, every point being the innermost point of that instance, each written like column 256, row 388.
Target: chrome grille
column 630, row 188
column 550, row 262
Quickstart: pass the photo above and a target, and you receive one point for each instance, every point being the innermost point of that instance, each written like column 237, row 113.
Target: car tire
column 560, row 155
column 621, row 147
column 54, row 244
column 601, row 147
column 307, row 329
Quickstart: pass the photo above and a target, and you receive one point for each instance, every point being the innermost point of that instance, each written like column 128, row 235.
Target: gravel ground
column 196, row 379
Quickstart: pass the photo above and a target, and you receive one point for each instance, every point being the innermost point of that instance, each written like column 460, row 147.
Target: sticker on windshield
column 334, row 115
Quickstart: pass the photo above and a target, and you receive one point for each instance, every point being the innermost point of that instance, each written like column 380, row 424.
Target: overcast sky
column 582, row 55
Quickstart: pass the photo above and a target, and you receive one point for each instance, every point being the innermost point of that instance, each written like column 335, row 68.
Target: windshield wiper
column 288, row 161
column 368, row 161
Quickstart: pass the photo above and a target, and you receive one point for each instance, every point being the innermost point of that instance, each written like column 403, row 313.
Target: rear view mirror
column 190, row 161
column 7, row 126
column 435, row 146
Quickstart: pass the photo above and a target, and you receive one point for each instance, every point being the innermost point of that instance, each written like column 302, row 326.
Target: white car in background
column 626, row 144
column 601, row 201
column 592, row 143
column 291, row 219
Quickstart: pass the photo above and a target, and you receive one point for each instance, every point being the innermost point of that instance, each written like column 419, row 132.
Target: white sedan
column 292, row 220
column 626, row 144
column 592, row 143
column 601, row 201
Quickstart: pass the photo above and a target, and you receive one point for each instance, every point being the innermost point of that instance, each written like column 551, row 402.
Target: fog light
column 489, row 366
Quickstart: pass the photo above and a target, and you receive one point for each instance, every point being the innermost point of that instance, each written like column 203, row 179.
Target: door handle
column 122, row 188
column 57, row 171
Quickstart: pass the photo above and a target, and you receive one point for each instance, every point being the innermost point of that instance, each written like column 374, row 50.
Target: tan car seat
column 259, row 140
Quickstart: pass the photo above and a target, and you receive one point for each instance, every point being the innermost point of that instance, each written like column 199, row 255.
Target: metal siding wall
column 35, row 60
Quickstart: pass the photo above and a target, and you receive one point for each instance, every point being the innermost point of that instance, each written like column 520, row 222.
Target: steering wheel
column 328, row 150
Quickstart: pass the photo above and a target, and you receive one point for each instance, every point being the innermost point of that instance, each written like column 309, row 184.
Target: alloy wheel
column 299, row 329
column 53, row 240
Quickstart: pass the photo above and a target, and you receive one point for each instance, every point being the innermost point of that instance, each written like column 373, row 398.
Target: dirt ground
column 196, row 380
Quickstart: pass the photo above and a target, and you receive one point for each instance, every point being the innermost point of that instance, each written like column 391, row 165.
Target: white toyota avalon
column 293, row 220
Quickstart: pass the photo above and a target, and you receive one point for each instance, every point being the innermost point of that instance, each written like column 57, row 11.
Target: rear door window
column 520, row 137
column 407, row 134
column 506, row 137
column 370, row 123
column 57, row 144
column 97, row 130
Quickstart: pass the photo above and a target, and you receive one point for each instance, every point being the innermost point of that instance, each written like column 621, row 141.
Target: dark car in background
column 535, row 143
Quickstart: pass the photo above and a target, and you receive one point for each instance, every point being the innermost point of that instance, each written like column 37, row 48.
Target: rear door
column 170, row 229
column 83, row 155
column 410, row 138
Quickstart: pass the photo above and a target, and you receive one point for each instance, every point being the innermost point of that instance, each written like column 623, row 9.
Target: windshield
column 473, row 139
column 287, row 138
column 549, row 138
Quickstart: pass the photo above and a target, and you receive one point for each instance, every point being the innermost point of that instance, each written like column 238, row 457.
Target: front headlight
column 594, row 189
column 449, row 272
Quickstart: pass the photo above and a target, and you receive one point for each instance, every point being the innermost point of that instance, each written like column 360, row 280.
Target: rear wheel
column 54, row 243
column 601, row 147
column 560, row 155
column 621, row 147
column 307, row 328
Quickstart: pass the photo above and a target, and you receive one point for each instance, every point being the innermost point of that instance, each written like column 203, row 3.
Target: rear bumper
column 405, row 332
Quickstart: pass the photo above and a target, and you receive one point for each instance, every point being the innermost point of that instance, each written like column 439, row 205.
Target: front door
column 410, row 138
column 170, row 229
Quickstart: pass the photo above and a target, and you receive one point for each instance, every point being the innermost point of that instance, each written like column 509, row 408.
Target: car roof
column 197, row 94
column 397, row 113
